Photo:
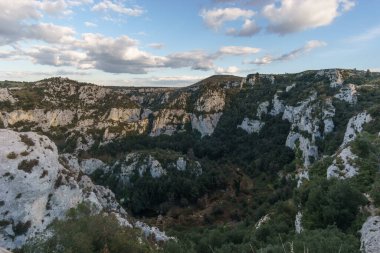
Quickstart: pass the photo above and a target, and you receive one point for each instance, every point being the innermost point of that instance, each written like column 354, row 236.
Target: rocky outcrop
column 205, row 124
column 251, row 126
column 343, row 166
column 5, row 96
column 348, row 93
column 370, row 235
column 124, row 114
column 169, row 121
column 211, row 101
column 42, row 118
column 36, row 187
column 355, row 126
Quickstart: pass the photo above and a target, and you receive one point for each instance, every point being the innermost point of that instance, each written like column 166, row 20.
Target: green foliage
column 83, row 232
column 25, row 139
column 330, row 202
column 28, row 165
column 375, row 191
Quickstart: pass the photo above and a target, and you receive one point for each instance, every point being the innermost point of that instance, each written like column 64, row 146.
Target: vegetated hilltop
column 228, row 164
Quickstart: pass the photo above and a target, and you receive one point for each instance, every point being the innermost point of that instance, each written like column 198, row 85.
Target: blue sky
column 176, row 43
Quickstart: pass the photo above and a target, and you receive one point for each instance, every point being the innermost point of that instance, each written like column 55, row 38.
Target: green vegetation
column 84, row 232
column 25, row 139
column 27, row 165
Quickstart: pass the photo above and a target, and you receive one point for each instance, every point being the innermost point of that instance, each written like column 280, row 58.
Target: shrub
column 21, row 228
column 27, row 165
column 331, row 202
column 82, row 232
column 12, row 155
column 25, row 139
column 24, row 153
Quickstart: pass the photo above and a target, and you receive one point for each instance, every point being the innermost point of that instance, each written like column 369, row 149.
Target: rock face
column 205, row 124
column 370, row 235
column 355, row 126
column 37, row 186
column 140, row 163
column 343, row 166
column 251, row 126
column 6, row 96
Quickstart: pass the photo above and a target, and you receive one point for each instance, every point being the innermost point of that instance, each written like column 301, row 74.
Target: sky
column 179, row 42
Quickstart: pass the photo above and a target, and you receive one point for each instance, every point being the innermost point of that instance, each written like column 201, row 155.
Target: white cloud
column 106, row 5
column 229, row 70
column 297, row 15
column 215, row 18
column 90, row 24
column 310, row 45
column 14, row 25
column 248, row 29
column 238, row 50
column 196, row 59
column 50, row 33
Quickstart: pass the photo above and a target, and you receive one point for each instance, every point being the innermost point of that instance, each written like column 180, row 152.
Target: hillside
column 228, row 164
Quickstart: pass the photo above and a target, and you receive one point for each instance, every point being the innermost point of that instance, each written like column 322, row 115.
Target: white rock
column 88, row 166
column 348, row 93
column 149, row 231
column 181, row 164
column 262, row 221
column 6, row 96
column 43, row 119
column 141, row 163
column 355, row 126
column 288, row 88
column 262, row 108
column 205, row 124
column 124, row 115
column 346, row 169
column 168, row 121
column 302, row 176
column 43, row 193
column 211, row 101
column 370, row 235
column 328, row 115
column 251, row 126
column 298, row 222
column 278, row 106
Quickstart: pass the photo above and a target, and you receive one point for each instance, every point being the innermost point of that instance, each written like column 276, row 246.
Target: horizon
column 183, row 85
column 175, row 44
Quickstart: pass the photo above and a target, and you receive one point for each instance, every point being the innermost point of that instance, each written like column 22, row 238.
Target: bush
column 12, row 155
column 82, row 232
column 27, row 165
column 331, row 202
column 25, row 139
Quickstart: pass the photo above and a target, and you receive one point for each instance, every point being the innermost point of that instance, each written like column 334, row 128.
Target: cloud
column 156, row 45
column 228, row 70
column 107, row 5
column 196, row 60
column 298, row 15
column 248, row 29
column 310, row 45
column 238, row 50
column 14, row 26
column 215, row 18
column 90, row 24
column 49, row 33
